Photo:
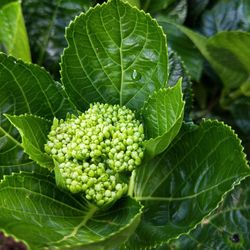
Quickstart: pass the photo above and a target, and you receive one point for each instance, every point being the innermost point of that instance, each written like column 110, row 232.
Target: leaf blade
column 179, row 196
column 129, row 56
column 34, row 131
column 162, row 115
column 25, row 88
column 58, row 218
column 12, row 23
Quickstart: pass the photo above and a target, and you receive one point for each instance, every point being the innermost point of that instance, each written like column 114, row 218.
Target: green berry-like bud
column 94, row 148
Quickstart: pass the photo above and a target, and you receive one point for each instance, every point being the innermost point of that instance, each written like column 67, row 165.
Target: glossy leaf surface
column 34, row 131
column 187, row 182
column 25, row 88
column 178, row 70
column 184, row 47
column 116, row 54
column 46, row 21
column 57, row 219
column 227, row 228
column 162, row 115
column 13, row 36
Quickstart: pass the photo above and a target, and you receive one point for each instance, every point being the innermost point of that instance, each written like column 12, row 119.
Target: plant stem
column 131, row 184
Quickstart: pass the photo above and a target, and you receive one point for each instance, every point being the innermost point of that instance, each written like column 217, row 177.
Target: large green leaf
column 116, row 54
column 227, row 228
column 46, row 21
column 34, row 131
column 229, row 54
column 162, row 116
column 13, row 36
column 186, row 183
column 34, row 210
column 185, row 47
column 25, row 88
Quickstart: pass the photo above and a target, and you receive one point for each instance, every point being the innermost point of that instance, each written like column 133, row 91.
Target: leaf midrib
column 121, row 58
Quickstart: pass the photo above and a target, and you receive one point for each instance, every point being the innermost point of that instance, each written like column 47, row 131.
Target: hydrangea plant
column 103, row 159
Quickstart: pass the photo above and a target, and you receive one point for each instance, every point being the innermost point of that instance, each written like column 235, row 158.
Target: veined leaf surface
column 34, row 131
column 13, row 36
column 162, row 115
column 186, row 183
column 116, row 54
column 34, row 210
column 25, row 88
column 227, row 228
column 46, row 21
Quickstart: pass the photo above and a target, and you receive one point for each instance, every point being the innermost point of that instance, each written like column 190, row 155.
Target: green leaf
column 25, row 88
column 227, row 228
column 4, row 2
column 13, row 36
column 34, row 131
column 135, row 3
column 177, row 70
column 240, row 110
column 186, row 183
column 176, row 12
column 116, row 54
column 58, row 219
column 195, row 9
column 225, row 15
column 185, row 47
column 162, row 117
column 46, row 21
column 156, row 6
column 229, row 55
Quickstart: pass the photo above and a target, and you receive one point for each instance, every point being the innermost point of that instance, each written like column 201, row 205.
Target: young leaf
column 34, row 131
column 162, row 116
column 116, row 54
column 58, row 219
column 186, row 183
column 13, row 36
column 25, row 88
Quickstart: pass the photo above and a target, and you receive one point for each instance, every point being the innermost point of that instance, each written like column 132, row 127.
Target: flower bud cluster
column 93, row 148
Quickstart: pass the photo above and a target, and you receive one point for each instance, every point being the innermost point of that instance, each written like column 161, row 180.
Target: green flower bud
column 94, row 148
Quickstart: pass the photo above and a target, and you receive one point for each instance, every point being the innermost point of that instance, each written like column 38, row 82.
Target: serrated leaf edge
column 21, row 133
column 97, row 6
column 166, row 90
column 137, row 216
column 235, row 183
